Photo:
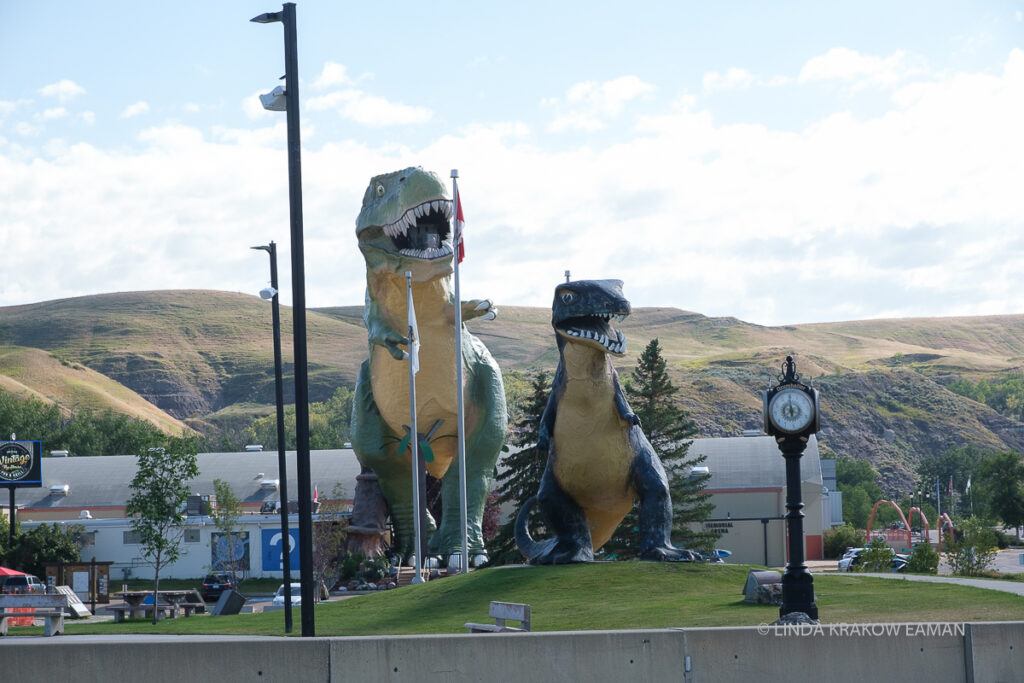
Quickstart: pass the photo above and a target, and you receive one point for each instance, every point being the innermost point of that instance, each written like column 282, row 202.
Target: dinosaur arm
column 479, row 308
column 625, row 412
column 546, row 428
column 380, row 332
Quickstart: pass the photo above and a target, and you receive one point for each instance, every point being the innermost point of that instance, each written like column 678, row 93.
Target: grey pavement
column 1016, row 587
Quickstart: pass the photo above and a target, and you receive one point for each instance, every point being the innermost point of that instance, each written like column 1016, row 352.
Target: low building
column 748, row 490
column 94, row 492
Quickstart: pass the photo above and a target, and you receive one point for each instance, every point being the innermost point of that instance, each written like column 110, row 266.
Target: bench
column 501, row 611
column 133, row 611
column 190, row 608
column 49, row 608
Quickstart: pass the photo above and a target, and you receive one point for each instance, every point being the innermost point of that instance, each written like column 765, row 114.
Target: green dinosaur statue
column 404, row 227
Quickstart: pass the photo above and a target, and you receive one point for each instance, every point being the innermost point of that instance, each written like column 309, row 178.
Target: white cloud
column 53, row 114
column 134, row 110
column 64, row 90
column 589, row 105
column 733, row 79
column 858, row 70
column 913, row 210
column 26, row 129
column 332, row 74
column 368, row 110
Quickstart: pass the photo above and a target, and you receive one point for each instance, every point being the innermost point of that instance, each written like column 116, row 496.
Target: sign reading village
column 21, row 464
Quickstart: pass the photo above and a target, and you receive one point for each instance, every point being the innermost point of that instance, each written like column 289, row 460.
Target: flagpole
column 414, row 440
column 463, row 506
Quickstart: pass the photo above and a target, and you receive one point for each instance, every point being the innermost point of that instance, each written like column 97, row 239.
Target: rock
column 768, row 594
column 794, row 618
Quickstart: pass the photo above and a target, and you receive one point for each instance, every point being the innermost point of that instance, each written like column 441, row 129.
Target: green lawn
column 614, row 595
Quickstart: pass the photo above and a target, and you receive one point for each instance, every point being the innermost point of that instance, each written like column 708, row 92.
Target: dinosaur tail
column 527, row 546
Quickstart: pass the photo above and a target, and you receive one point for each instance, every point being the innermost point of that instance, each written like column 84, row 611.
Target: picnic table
column 170, row 604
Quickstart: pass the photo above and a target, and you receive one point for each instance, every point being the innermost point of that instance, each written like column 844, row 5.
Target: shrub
column 839, row 539
column 974, row 550
column 374, row 569
column 350, row 565
column 923, row 560
column 877, row 557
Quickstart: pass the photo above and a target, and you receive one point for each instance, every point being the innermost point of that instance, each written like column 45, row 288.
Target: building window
column 132, row 538
column 191, row 535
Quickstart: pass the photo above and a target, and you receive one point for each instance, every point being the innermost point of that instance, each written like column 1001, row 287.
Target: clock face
column 791, row 411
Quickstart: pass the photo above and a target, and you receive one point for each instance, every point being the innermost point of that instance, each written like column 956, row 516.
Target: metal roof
column 102, row 480
column 751, row 462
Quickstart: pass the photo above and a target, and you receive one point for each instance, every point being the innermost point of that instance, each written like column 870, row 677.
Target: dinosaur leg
column 377, row 448
column 651, row 486
column 487, row 421
column 566, row 519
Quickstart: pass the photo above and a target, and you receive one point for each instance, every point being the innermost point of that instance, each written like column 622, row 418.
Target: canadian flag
column 316, row 496
column 460, row 224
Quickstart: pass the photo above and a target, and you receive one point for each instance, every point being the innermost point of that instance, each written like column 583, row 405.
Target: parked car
column 852, row 558
column 24, row 583
column 296, row 595
column 214, row 585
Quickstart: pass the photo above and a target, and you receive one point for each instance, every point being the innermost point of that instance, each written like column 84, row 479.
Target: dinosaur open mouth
column 424, row 231
column 596, row 329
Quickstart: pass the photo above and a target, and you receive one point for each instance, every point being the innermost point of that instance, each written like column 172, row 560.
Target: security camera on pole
column 791, row 415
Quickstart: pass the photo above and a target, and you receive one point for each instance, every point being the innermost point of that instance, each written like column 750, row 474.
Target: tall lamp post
column 291, row 105
column 791, row 416
column 271, row 293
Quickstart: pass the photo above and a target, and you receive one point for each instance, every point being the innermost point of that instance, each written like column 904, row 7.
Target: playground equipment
column 943, row 522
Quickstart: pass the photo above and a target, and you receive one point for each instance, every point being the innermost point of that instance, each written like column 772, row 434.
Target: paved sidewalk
column 1016, row 587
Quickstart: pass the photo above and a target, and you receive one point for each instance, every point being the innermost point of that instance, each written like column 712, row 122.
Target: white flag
column 968, row 489
column 414, row 346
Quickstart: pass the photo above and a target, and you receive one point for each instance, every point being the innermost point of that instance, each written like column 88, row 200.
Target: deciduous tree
column 226, row 515
column 159, row 493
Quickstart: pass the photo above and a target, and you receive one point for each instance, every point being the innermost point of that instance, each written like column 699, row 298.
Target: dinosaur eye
column 568, row 297
column 380, row 190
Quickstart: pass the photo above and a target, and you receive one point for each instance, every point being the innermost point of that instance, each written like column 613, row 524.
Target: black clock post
column 791, row 416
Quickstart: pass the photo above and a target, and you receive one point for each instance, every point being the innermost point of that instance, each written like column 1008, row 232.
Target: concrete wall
column 936, row 653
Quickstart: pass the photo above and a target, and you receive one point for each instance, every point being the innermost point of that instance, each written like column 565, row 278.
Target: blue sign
column 273, row 557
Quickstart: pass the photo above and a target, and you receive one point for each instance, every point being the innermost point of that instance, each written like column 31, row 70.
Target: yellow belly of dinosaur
column 435, row 394
column 592, row 460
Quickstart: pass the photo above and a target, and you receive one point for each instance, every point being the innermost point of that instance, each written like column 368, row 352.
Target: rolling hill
column 194, row 353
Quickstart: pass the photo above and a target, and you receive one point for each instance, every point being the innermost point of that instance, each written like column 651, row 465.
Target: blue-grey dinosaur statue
column 598, row 459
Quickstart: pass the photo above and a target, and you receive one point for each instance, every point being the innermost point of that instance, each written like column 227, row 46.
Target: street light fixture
column 291, row 93
column 282, row 467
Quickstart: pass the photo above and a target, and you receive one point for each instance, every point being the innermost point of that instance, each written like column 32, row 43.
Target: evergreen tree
column 651, row 395
column 523, row 468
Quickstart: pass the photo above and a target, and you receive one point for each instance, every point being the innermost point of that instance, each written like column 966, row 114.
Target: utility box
column 230, row 602
column 201, row 505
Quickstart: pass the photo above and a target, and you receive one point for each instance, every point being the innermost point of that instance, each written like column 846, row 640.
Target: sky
column 781, row 163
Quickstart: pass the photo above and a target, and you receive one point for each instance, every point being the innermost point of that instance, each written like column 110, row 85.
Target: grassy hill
column 37, row 374
column 197, row 354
